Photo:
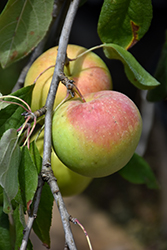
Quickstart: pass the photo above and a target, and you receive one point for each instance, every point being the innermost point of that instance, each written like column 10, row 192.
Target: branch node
column 38, row 113
column 68, row 83
column 72, row 219
column 66, row 247
column 47, row 173
column 35, row 216
column 72, row 89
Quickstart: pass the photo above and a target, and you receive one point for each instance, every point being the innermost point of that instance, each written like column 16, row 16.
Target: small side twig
column 32, row 217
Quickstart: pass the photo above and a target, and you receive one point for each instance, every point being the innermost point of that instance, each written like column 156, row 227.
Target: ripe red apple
column 98, row 137
column 69, row 182
column 89, row 73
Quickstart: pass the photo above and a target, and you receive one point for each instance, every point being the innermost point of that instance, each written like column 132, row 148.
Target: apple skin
column 69, row 182
column 98, row 137
column 90, row 74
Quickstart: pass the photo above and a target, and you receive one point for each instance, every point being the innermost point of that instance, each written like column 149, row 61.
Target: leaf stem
column 75, row 221
column 17, row 98
column 88, row 50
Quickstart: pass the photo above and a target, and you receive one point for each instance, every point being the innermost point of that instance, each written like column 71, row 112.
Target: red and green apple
column 98, row 137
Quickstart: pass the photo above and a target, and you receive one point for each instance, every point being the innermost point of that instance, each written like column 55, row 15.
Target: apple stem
column 75, row 221
column 76, row 90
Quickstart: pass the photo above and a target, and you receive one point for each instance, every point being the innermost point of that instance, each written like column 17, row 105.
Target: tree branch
column 46, row 166
column 47, row 173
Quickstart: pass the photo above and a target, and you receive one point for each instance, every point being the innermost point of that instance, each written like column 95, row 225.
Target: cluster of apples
column 90, row 139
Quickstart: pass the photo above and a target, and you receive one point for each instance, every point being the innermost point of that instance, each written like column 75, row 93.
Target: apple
column 98, row 137
column 69, row 182
column 89, row 73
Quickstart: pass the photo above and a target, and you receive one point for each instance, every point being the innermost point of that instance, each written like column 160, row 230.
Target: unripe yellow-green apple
column 98, row 137
column 69, row 182
column 90, row 74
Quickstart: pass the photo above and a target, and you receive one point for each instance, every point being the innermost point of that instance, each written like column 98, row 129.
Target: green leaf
column 1, row 196
column 42, row 223
column 5, row 243
column 10, row 116
column 7, row 205
column 28, row 176
column 9, row 163
column 35, row 155
column 124, row 22
column 19, row 224
column 136, row 74
column 23, row 24
column 138, row 171
column 160, row 92
column 3, row 104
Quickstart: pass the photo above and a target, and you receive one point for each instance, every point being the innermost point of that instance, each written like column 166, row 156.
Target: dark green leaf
column 5, row 243
column 160, row 92
column 19, row 224
column 7, row 205
column 42, row 223
column 138, row 171
column 124, row 22
column 82, row 2
column 22, row 26
column 136, row 74
column 10, row 117
column 1, row 196
column 9, row 163
column 3, row 104
column 28, row 176
column 36, row 157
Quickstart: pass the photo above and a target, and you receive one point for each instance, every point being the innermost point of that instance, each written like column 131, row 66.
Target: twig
column 32, row 217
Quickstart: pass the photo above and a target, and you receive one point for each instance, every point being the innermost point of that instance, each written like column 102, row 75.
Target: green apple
column 89, row 73
column 69, row 182
column 98, row 137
